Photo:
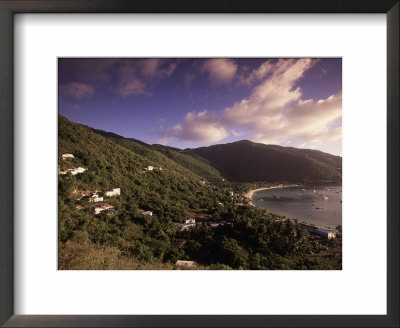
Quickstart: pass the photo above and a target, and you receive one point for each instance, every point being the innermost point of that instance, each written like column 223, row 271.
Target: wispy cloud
column 237, row 134
column 139, row 77
column 77, row 90
column 126, row 77
column 220, row 70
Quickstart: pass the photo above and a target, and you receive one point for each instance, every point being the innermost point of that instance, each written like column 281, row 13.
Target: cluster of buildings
column 94, row 196
column 73, row 171
column 98, row 196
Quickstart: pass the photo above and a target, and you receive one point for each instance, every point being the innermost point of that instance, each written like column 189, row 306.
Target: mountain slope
column 190, row 161
column 246, row 161
column 194, row 163
column 113, row 165
column 123, row 237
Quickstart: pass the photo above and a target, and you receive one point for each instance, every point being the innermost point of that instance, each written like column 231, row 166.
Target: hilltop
column 246, row 161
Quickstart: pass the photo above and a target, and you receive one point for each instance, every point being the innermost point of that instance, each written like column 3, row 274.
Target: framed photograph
column 206, row 165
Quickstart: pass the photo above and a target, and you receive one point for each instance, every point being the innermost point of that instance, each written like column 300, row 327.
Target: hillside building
column 113, row 192
column 65, row 156
column 77, row 170
column 185, row 226
column 326, row 233
column 323, row 232
column 185, row 264
column 95, row 198
column 97, row 209
column 147, row 213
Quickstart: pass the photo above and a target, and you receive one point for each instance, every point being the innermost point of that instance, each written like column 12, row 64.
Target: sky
column 189, row 102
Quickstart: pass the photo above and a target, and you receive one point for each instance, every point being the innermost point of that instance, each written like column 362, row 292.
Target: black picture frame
column 10, row 7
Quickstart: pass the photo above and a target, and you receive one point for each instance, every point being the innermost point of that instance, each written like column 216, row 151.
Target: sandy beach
column 250, row 193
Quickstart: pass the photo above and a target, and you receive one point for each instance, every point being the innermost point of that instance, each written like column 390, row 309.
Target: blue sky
column 189, row 103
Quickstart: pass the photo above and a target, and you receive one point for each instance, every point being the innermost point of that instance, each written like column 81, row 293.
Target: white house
column 185, row 264
column 202, row 182
column 95, row 198
column 217, row 224
column 97, row 209
column 190, row 221
column 185, row 226
column 113, row 192
column 65, row 156
column 77, row 170
column 327, row 233
column 147, row 213
column 149, row 168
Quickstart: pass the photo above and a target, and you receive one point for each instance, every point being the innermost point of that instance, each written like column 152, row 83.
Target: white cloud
column 197, row 127
column 220, row 70
column 274, row 112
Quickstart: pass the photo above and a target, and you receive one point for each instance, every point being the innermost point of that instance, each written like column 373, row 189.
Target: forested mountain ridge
column 246, row 161
column 228, row 232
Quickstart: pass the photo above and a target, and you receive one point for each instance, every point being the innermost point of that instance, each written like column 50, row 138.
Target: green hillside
column 228, row 234
column 246, row 161
column 192, row 162
column 168, row 192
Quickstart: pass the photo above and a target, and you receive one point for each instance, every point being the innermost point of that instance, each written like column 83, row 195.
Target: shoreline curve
column 250, row 193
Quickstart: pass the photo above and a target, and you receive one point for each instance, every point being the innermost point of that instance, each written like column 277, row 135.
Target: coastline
column 250, row 193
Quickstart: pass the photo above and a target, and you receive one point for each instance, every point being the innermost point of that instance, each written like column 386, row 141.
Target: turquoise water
column 322, row 207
